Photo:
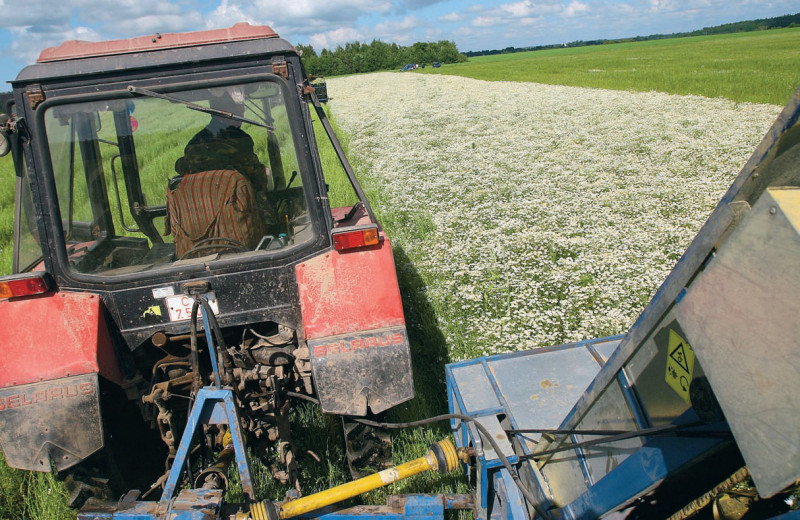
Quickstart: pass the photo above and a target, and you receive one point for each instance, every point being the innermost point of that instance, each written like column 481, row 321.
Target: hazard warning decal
column 680, row 364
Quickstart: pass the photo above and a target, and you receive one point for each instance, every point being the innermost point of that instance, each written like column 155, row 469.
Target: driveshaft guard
column 51, row 422
column 356, row 371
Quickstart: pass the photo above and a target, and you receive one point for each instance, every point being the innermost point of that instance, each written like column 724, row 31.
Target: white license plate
column 180, row 306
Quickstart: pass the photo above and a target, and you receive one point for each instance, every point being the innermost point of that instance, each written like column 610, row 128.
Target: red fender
column 53, row 336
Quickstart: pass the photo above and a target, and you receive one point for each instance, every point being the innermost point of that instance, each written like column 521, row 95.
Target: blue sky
column 28, row 26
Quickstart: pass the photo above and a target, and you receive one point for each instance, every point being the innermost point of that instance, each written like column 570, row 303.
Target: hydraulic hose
column 227, row 362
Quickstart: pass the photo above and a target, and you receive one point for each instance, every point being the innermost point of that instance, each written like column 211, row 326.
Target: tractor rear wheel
column 369, row 449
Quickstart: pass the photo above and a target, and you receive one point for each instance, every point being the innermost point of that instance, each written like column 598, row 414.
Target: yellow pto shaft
column 442, row 457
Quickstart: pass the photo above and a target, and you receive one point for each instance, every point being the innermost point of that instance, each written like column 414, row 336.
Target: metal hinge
column 35, row 95
column 305, row 91
column 279, row 67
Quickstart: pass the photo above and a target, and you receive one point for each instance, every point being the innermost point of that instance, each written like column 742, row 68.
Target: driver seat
column 212, row 211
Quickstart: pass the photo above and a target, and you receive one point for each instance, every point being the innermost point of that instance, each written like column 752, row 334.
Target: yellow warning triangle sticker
column 680, row 365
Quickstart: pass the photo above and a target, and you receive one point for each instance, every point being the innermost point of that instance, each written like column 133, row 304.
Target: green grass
column 757, row 67
column 31, row 495
column 7, row 187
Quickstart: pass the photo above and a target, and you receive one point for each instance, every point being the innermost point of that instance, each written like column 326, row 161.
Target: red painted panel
column 349, row 291
column 53, row 336
column 82, row 49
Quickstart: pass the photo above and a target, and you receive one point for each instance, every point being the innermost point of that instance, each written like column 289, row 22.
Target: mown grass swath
column 759, row 67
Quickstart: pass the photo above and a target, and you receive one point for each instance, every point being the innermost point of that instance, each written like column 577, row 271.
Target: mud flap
column 52, row 422
column 366, row 370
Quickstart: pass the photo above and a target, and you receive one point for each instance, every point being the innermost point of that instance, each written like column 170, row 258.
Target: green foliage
column 358, row 57
column 7, row 187
column 758, row 67
column 31, row 495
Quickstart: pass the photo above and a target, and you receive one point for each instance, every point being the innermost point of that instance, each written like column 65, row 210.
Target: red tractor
column 157, row 178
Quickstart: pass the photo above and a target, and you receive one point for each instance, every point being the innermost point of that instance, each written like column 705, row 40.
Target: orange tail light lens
column 355, row 238
column 23, row 285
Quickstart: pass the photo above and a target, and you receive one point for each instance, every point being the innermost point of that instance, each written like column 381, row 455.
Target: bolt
column 773, row 210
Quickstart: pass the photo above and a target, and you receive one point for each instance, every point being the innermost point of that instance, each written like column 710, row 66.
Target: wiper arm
column 207, row 110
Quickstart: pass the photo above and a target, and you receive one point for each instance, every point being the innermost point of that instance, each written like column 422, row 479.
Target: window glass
column 147, row 182
column 28, row 250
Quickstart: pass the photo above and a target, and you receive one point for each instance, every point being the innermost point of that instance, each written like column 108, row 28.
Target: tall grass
column 31, row 495
column 759, row 67
column 7, row 187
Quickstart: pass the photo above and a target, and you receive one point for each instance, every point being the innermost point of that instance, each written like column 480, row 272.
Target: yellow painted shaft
column 368, row 483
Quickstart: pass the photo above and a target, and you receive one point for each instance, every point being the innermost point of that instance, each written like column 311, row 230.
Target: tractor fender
column 354, row 326
column 53, row 348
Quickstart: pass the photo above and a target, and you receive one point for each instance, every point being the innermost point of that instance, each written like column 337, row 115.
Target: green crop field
column 759, row 67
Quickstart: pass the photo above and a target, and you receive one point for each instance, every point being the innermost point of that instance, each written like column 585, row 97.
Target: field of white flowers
column 537, row 214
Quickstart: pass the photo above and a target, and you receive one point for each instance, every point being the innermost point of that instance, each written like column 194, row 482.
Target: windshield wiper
column 207, row 110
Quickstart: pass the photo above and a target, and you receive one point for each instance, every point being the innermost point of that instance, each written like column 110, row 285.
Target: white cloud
column 486, row 21
column 50, row 36
column 316, row 11
column 575, row 7
column 158, row 23
column 227, row 14
column 35, row 12
column 408, row 23
column 330, row 39
column 519, row 9
column 451, row 17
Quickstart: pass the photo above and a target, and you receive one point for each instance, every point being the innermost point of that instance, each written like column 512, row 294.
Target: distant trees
column 360, row 57
column 789, row 20
column 4, row 98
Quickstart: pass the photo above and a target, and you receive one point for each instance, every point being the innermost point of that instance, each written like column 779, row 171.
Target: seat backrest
column 212, row 211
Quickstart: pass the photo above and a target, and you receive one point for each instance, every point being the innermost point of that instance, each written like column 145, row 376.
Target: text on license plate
column 180, row 306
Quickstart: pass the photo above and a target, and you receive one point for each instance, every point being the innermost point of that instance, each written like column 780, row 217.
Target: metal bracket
column 35, row 96
column 279, row 67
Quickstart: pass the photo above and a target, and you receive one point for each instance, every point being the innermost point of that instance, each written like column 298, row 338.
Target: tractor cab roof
column 81, row 58
column 73, row 49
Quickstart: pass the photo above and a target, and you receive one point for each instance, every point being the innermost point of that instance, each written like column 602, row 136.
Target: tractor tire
column 369, row 449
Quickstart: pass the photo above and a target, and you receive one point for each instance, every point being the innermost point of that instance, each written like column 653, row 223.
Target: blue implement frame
column 213, row 406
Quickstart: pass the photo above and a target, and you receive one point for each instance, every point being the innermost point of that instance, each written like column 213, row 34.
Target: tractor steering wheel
column 228, row 243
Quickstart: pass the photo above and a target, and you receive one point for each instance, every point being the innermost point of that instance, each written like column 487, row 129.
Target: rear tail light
column 354, row 238
column 23, row 285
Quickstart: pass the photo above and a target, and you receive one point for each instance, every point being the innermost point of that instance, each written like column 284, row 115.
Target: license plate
column 180, row 306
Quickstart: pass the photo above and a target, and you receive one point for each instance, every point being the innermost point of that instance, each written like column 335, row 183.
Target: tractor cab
column 147, row 182
column 160, row 173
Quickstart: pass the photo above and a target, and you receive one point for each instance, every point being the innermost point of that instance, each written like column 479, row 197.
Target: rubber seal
column 441, row 458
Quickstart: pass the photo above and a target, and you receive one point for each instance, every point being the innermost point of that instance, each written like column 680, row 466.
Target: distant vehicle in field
column 410, row 66
column 436, row 64
column 321, row 89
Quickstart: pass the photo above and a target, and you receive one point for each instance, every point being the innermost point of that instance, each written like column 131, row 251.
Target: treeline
column 789, row 20
column 359, row 57
column 4, row 98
